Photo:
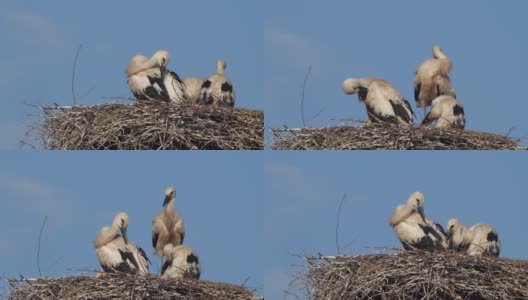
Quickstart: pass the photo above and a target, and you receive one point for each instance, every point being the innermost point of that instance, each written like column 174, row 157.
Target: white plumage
column 182, row 262
column 116, row 252
column 414, row 229
column 149, row 79
column 193, row 87
column 447, row 112
column 432, row 79
column 477, row 240
column 167, row 225
column 218, row 89
column 383, row 102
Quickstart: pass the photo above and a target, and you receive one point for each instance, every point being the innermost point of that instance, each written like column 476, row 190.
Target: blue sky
column 245, row 212
column 303, row 191
column 388, row 40
column 218, row 194
column 40, row 41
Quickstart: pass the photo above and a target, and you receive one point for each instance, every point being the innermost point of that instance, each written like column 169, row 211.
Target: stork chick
column 432, row 79
column 116, row 253
column 167, row 225
column 414, row 229
column 383, row 102
column 182, row 262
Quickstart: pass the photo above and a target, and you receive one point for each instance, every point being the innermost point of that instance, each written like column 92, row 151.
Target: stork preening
column 149, row 79
column 116, row 253
column 167, row 225
column 477, row 240
column 414, row 229
column 384, row 103
column 218, row 89
column 182, row 262
column 193, row 87
column 432, row 79
column 447, row 112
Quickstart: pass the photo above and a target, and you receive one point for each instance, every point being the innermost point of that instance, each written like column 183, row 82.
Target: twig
column 317, row 114
column 302, row 97
column 73, row 74
column 337, row 224
column 245, row 281
column 39, row 240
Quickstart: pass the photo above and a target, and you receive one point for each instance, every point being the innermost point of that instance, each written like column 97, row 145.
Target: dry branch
column 383, row 136
column 416, row 275
column 124, row 286
column 150, row 126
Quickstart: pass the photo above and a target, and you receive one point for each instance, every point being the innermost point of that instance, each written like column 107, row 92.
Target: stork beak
column 167, row 199
column 124, row 233
column 422, row 214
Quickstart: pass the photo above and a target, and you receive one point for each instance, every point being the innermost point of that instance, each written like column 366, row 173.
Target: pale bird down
column 182, row 263
column 167, row 225
column 218, row 89
column 432, row 79
column 447, row 112
column 116, row 253
column 414, row 229
column 383, row 102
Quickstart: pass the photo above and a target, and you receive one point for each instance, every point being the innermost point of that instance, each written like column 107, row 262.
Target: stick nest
column 124, row 286
column 151, row 126
column 417, row 275
column 385, row 136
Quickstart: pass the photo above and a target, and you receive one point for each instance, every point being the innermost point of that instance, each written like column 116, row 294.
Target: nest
column 124, row 286
column 385, row 136
column 151, row 126
column 417, row 275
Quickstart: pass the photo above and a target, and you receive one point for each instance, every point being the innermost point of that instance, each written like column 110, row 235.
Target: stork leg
column 161, row 264
column 425, row 112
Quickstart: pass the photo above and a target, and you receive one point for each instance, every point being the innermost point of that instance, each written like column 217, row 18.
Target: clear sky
column 219, row 195
column 303, row 191
column 39, row 42
column 487, row 42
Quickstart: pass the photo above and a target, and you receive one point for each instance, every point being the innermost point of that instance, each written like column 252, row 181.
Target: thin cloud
column 287, row 48
column 33, row 29
column 36, row 198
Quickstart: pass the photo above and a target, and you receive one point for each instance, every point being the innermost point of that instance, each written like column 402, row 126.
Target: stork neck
column 438, row 54
column 143, row 66
column 220, row 69
column 170, row 205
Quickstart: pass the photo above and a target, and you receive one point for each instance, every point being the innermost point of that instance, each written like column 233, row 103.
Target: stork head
column 416, row 200
column 161, row 58
column 121, row 222
column 452, row 226
column 170, row 194
column 221, row 66
column 351, row 86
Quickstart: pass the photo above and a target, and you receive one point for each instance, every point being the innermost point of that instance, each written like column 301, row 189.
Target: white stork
column 182, row 262
column 116, row 253
column 432, row 79
column 149, row 79
column 218, row 89
column 477, row 240
column 167, row 225
column 193, row 87
column 414, row 229
column 447, row 112
column 384, row 103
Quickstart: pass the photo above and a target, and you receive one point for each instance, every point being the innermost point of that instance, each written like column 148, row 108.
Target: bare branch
column 39, row 241
column 337, row 223
column 73, row 74
column 302, row 97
